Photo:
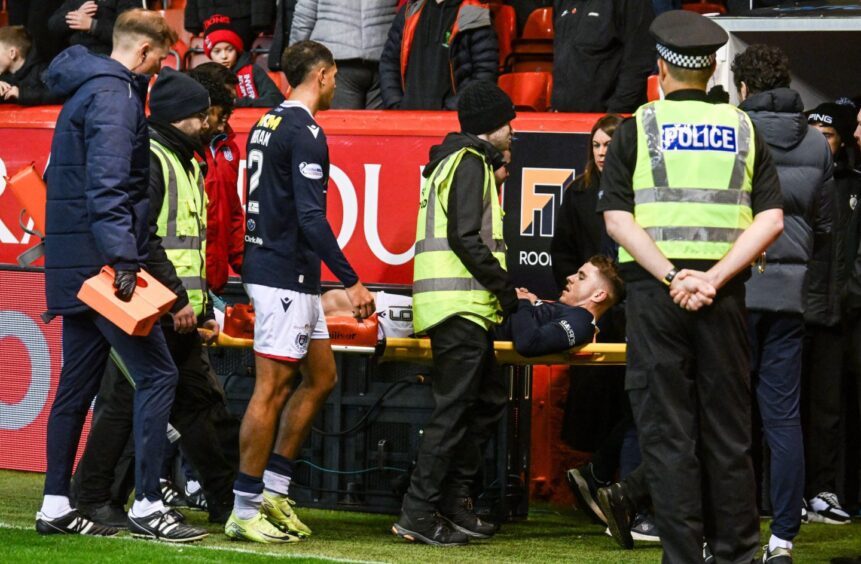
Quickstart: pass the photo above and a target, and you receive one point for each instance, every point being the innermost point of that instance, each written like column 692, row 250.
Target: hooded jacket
column 804, row 166
column 465, row 206
column 32, row 91
column 97, row 204
column 473, row 53
column 355, row 30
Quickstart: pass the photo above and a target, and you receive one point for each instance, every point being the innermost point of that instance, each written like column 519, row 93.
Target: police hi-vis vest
column 182, row 223
column 442, row 286
column 693, row 178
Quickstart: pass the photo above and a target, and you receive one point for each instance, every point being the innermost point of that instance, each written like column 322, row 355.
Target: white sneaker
column 825, row 508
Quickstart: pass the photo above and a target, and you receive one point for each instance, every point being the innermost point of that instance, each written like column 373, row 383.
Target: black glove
column 125, row 282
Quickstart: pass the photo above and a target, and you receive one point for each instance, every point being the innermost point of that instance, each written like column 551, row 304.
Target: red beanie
column 218, row 29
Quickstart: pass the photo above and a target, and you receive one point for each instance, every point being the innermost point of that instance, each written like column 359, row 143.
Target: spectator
column 777, row 291
column 602, row 55
column 225, row 226
column 89, row 23
column 96, row 214
column 355, row 39
column 222, row 44
column 826, row 335
column 249, row 17
column 281, row 33
column 21, row 69
column 434, row 49
column 34, row 17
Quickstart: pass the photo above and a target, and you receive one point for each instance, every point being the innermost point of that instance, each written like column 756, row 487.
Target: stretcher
column 351, row 336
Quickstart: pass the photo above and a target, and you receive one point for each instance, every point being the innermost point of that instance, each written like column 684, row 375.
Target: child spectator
column 223, row 45
column 89, row 23
column 225, row 226
column 20, row 70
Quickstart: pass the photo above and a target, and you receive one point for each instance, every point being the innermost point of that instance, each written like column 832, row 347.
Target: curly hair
column 216, row 79
column 610, row 272
column 761, row 68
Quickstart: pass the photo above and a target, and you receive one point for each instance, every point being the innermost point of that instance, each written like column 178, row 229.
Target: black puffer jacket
column 805, row 169
column 99, row 39
column 247, row 16
column 474, row 55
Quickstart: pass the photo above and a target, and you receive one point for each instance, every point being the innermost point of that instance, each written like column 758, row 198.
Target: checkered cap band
column 685, row 61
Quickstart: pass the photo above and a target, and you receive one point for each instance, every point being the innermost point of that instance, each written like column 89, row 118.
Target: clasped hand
column 692, row 290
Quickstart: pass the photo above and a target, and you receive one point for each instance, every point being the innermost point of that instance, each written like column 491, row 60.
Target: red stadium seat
column 653, row 90
column 528, row 90
column 703, row 7
column 175, row 19
column 281, row 81
column 176, row 56
column 195, row 56
column 539, row 25
column 505, row 25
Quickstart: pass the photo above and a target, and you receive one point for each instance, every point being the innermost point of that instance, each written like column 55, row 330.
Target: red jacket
column 225, row 225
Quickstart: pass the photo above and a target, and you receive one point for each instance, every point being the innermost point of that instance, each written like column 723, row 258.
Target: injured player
column 536, row 328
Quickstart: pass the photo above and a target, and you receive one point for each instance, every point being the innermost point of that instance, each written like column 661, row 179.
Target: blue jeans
column 776, row 341
column 87, row 340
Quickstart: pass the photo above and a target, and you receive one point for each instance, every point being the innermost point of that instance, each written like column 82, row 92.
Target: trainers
column 256, row 529
column 805, row 515
column 708, row 555
column 196, row 501
column 824, row 508
column 279, row 510
column 458, row 513
column 644, row 529
column 164, row 526
column 428, row 528
column 776, row 556
column 584, row 486
column 104, row 513
column 72, row 523
column 615, row 505
column 170, row 495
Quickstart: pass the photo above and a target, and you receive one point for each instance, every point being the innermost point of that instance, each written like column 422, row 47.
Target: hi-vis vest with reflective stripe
column 693, row 178
column 182, row 223
column 442, row 286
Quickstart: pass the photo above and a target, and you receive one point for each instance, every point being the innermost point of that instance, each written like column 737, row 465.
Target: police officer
column 460, row 289
column 690, row 193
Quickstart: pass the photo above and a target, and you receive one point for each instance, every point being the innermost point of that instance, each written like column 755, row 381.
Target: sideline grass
column 547, row 536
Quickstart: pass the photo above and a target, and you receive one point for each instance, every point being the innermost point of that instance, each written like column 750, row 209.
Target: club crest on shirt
column 228, row 154
column 853, row 201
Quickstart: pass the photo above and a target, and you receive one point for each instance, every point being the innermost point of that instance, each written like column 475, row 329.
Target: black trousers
column 470, row 398
column 689, row 384
column 199, row 414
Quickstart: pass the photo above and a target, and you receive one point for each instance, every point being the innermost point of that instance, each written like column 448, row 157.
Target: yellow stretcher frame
column 419, row 350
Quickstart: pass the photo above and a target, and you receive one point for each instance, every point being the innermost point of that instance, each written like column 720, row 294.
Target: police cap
column 686, row 39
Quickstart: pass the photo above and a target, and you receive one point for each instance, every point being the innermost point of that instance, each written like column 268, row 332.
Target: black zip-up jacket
column 32, row 90
column 848, row 222
column 99, row 39
column 157, row 262
column 259, row 13
column 602, row 55
column 465, row 208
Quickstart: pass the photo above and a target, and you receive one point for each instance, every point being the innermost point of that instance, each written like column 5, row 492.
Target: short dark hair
column 148, row 23
column 610, row 272
column 298, row 60
column 761, row 68
column 16, row 36
column 218, row 94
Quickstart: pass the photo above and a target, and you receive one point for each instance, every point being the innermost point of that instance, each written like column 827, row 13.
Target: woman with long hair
column 580, row 231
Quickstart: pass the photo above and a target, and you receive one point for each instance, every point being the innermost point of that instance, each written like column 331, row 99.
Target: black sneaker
column 644, row 529
column 164, row 526
column 620, row 514
column 196, row 501
column 104, row 514
column 428, row 528
column 171, row 495
column 458, row 513
column 776, row 556
column 72, row 523
column 708, row 555
column 584, row 486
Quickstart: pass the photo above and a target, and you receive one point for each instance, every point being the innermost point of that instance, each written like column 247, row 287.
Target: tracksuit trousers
column 87, row 341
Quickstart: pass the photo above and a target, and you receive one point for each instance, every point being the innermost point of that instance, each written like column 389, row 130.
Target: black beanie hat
column 839, row 116
column 483, row 107
column 176, row 96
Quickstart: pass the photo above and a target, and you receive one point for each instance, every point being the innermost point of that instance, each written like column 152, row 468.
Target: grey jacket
column 351, row 30
column 805, row 169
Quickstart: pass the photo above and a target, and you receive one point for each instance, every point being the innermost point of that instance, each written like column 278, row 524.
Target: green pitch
column 547, row 536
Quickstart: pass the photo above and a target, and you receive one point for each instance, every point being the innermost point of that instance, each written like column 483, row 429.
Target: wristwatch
column 668, row 278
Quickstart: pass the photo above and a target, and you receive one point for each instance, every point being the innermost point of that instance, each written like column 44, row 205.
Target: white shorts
column 285, row 322
column 395, row 315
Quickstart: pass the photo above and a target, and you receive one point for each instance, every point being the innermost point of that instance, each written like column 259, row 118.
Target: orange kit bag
column 29, row 189
column 150, row 301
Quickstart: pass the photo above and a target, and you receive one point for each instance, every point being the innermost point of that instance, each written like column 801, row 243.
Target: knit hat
column 839, row 116
column 483, row 107
column 176, row 96
column 219, row 29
